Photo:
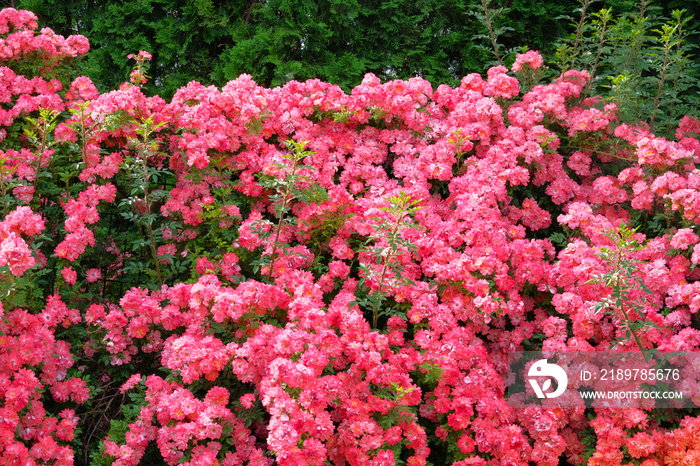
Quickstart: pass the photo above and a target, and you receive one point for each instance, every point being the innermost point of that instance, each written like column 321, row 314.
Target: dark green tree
column 213, row 41
column 185, row 38
column 339, row 41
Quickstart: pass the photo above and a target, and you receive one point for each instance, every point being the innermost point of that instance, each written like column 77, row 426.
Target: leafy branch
column 144, row 148
column 401, row 208
column 39, row 131
column 489, row 19
column 292, row 186
column 625, row 282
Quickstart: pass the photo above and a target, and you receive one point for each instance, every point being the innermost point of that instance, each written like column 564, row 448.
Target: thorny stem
column 605, row 16
column 143, row 160
column 394, row 232
column 662, row 78
column 618, row 287
column 636, row 36
column 83, row 149
column 44, row 125
column 634, row 334
column 40, row 152
column 676, row 80
column 3, row 192
column 642, row 8
column 281, row 219
column 489, row 24
column 579, row 29
column 389, row 255
column 154, row 252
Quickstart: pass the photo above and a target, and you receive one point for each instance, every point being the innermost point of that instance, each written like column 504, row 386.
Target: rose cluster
column 300, row 276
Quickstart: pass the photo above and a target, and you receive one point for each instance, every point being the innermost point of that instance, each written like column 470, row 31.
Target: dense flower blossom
column 265, row 272
column 93, row 275
column 684, row 238
column 532, row 58
column 15, row 253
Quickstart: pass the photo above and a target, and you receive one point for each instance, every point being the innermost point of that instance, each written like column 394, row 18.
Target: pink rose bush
column 300, row 276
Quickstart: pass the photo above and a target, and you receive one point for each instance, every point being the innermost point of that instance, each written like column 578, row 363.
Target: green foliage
column 489, row 17
column 7, row 184
column 428, row 375
column 292, row 186
column 339, row 41
column 401, row 208
column 212, row 41
column 38, row 132
column 639, row 59
column 142, row 197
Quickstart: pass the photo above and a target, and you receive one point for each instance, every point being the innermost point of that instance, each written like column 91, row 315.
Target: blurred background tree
column 213, row 41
